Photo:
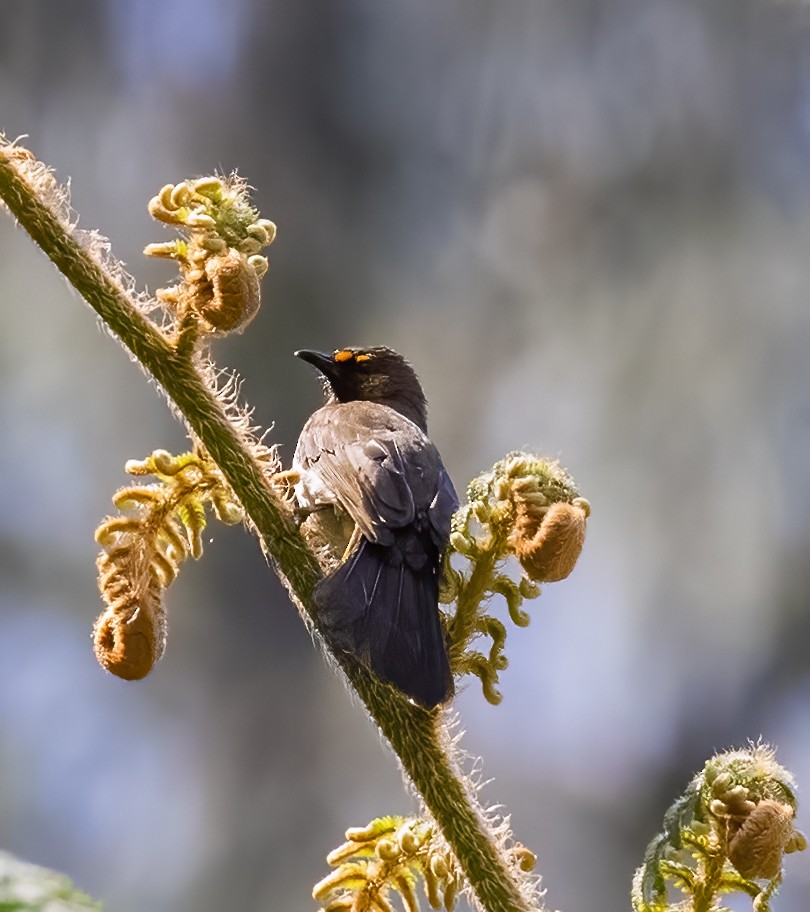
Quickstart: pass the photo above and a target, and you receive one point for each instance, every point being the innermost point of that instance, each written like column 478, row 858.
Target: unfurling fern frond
column 160, row 525
column 392, row 855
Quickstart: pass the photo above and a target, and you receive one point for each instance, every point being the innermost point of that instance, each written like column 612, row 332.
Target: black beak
column 324, row 363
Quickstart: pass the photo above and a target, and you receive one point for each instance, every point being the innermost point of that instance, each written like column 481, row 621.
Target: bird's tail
column 384, row 611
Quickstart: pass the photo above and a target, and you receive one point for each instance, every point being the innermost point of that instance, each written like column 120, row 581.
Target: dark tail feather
column 385, row 613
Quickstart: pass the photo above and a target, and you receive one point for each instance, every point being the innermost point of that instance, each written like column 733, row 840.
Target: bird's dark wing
column 382, row 610
column 377, row 465
column 441, row 510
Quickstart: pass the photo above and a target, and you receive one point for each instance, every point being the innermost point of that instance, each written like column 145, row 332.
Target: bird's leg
column 354, row 541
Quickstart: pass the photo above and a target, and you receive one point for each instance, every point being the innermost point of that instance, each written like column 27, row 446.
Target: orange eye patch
column 344, row 354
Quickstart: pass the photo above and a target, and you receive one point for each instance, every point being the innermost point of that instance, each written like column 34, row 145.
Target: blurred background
column 588, row 225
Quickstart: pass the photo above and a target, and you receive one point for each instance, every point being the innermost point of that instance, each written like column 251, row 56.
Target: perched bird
column 367, row 453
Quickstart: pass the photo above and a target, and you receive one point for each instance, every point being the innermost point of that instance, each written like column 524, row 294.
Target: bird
column 366, row 453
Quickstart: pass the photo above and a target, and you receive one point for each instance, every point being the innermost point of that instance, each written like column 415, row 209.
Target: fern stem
column 707, row 885
column 470, row 597
column 414, row 733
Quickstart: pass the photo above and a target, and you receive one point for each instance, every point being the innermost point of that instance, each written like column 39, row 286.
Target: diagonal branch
column 415, row 734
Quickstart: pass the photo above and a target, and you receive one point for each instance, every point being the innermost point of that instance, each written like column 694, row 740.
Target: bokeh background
column 588, row 225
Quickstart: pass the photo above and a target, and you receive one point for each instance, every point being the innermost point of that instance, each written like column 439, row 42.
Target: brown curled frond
column 129, row 636
column 160, row 527
column 548, row 541
column 756, row 849
column 218, row 255
column 234, row 291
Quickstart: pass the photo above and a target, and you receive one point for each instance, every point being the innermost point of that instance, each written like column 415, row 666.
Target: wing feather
column 378, row 466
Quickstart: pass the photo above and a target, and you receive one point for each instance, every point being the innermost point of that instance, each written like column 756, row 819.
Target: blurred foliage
column 29, row 888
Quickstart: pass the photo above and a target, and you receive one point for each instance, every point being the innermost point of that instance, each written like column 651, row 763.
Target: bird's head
column 372, row 375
